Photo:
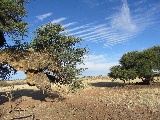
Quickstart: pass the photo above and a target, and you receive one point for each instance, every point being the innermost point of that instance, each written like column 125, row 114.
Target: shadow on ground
column 128, row 86
column 35, row 94
column 107, row 84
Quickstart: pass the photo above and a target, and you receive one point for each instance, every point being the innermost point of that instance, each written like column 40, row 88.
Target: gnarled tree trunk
column 2, row 39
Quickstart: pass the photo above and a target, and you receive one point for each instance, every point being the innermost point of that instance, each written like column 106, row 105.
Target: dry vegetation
column 12, row 82
column 100, row 99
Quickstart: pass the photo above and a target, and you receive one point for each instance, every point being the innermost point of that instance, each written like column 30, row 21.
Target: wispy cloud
column 88, row 30
column 41, row 17
column 102, row 58
column 69, row 24
column 119, row 27
column 146, row 17
column 80, row 27
column 93, row 3
column 125, row 25
column 96, row 32
column 58, row 20
column 123, row 20
column 139, row 2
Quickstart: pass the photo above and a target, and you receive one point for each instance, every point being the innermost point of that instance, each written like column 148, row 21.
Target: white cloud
column 88, row 30
column 146, row 17
column 123, row 20
column 119, row 27
column 97, row 65
column 76, row 28
column 139, row 2
column 96, row 58
column 92, row 3
column 58, row 20
column 115, row 39
column 80, row 27
column 41, row 17
column 69, row 24
column 125, row 25
column 96, row 31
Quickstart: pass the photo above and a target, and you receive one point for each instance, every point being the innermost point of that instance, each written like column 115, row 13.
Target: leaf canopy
column 137, row 64
column 12, row 13
column 64, row 48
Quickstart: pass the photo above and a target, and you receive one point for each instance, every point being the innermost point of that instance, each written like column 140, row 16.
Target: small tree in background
column 138, row 64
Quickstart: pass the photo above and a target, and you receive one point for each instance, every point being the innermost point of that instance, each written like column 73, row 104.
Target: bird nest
column 33, row 64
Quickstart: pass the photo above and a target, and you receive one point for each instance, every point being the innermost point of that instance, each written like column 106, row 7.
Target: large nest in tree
column 33, row 64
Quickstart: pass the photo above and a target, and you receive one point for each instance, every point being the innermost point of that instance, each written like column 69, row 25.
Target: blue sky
column 110, row 28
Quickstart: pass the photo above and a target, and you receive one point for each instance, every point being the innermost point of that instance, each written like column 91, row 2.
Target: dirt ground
column 101, row 99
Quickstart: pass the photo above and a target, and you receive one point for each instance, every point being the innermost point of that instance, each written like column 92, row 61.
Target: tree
column 50, row 50
column 119, row 72
column 63, row 49
column 156, row 61
column 138, row 64
column 12, row 25
column 128, row 60
column 6, row 71
column 11, row 20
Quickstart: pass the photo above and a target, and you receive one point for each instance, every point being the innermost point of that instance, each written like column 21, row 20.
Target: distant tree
column 138, row 64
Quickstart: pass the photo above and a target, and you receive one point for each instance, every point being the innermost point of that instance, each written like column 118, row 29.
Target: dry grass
column 6, row 83
column 100, row 99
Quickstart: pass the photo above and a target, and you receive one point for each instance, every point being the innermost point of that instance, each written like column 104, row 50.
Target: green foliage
column 63, row 49
column 11, row 20
column 122, row 73
column 128, row 60
column 145, row 64
column 12, row 25
column 63, row 52
column 137, row 64
column 6, row 71
column 156, row 59
column 76, row 85
column 115, row 70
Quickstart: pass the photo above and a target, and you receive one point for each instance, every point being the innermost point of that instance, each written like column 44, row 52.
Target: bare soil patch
column 99, row 100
